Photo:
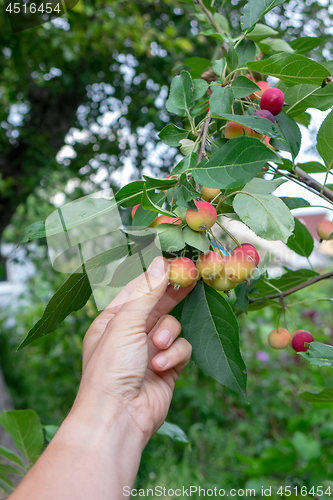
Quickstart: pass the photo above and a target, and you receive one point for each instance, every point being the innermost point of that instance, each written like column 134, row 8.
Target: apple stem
column 218, row 243
column 229, row 234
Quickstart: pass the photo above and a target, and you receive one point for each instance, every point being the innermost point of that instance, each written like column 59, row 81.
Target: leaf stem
column 229, row 234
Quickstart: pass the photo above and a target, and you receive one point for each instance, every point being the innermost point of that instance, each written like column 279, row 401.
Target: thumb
column 146, row 295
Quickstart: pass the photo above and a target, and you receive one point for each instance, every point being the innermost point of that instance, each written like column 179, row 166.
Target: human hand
column 131, row 354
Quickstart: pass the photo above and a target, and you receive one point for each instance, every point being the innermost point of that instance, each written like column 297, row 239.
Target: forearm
column 86, row 459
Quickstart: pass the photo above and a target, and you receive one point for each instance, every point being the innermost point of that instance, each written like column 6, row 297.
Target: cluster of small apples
column 221, row 273
column 271, row 104
column 325, row 230
column 280, row 338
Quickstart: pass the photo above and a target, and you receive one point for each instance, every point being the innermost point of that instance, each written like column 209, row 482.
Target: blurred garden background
column 82, row 99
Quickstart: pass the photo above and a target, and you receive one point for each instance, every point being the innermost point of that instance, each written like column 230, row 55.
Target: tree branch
column 309, row 181
column 204, row 137
column 294, row 289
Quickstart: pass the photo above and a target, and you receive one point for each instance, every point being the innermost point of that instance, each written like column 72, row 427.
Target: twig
column 294, row 289
column 204, row 137
column 309, row 181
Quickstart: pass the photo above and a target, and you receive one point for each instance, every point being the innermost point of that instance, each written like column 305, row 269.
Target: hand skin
column 128, row 378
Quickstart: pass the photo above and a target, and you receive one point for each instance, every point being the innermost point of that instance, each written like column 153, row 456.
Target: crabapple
column 210, row 265
column 247, row 249
column 182, row 271
column 325, row 230
column 272, row 100
column 204, row 218
column 209, row 194
column 134, row 209
column 239, row 267
column 221, row 283
column 253, row 133
column 264, row 113
column 279, row 338
column 258, row 93
column 165, row 219
column 234, row 129
column 299, row 337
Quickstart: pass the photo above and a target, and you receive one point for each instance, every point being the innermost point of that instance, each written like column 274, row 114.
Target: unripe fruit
column 247, row 249
column 204, row 218
column 134, row 209
column 210, row 265
column 239, row 268
column 272, row 100
column 234, row 129
column 263, row 86
column 182, row 272
column 279, row 338
column 208, row 194
column 221, row 283
column 299, row 337
column 264, row 113
column 253, row 133
column 325, row 230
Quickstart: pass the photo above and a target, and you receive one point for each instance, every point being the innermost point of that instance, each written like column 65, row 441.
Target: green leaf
column 260, row 32
column 304, row 44
column 9, row 469
column 73, row 294
column 185, row 164
column 196, row 239
column 294, row 202
column 292, row 69
column 234, row 164
column 218, row 66
column 306, row 447
column 181, row 94
column 319, row 354
column 173, row 431
column 260, row 125
column 11, row 456
column 200, row 88
column 26, row 431
column 211, row 328
column 171, row 237
column 242, row 293
column 50, row 431
column 131, row 194
column 291, row 132
column 274, row 45
column 221, row 21
column 324, row 396
column 246, row 51
column 198, row 65
column 148, row 204
column 187, row 146
column 302, row 97
column 33, row 232
column 301, row 241
column 171, row 135
column 324, row 141
column 263, row 186
column 221, row 100
column 254, row 10
column 285, row 282
column 243, row 87
column 266, row 215
column 143, row 217
column 303, row 119
column 232, row 57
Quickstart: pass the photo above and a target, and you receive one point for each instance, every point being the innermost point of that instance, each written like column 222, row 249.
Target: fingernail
column 161, row 360
column 157, row 267
column 164, row 336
